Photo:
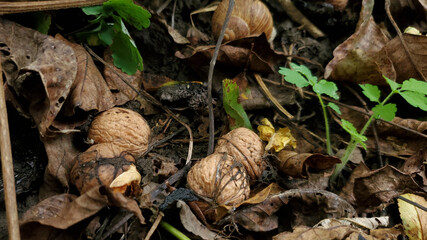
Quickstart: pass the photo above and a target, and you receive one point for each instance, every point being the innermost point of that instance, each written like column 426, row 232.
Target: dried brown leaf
column 39, row 68
column 336, row 232
column 297, row 165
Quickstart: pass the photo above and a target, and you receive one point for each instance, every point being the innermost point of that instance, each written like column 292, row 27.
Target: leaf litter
column 55, row 82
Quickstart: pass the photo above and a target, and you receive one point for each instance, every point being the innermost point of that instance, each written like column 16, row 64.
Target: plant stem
column 353, row 143
column 178, row 234
column 325, row 116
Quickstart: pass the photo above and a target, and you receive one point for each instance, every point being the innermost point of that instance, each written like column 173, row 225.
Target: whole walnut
column 123, row 127
column 106, row 164
column 246, row 147
column 220, row 178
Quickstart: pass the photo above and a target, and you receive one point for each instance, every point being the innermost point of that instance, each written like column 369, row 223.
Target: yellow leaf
column 265, row 132
column 414, row 219
column 277, row 140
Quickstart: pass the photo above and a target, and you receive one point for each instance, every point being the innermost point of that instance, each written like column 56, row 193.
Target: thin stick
column 22, row 7
column 405, row 46
column 154, row 226
column 142, row 93
column 7, row 167
column 211, row 69
column 298, row 17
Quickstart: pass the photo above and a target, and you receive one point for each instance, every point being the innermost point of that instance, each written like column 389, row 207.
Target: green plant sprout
column 232, row 107
column 301, row 76
column 178, row 234
column 412, row 90
column 110, row 30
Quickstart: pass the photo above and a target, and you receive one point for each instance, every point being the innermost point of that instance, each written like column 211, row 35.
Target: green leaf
column 125, row 54
column 94, row 10
column 42, row 21
column 334, row 107
column 386, row 112
column 294, row 77
column 415, row 99
column 305, row 72
column 106, row 34
column 326, row 87
column 414, row 85
column 349, row 127
column 372, row 92
column 393, row 85
column 130, row 12
column 232, row 107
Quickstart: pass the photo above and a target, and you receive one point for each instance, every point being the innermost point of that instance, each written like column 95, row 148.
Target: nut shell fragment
column 123, row 127
column 246, row 147
column 220, row 178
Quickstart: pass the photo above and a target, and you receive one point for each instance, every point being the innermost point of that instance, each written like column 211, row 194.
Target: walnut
column 246, row 147
column 106, row 164
column 123, row 127
column 220, row 178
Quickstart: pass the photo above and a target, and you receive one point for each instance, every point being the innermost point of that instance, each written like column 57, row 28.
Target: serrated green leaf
column 125, row 54
column 334, row 107
column 93, row 10
column 305, row 72
column 386, row 112
column 326, row 87
column 414, row 85
column 130, row 12
column 393, row 85
column 371, row 91
column 293, row 77
column 415, row 99
column 349, row 127
column 232, row 107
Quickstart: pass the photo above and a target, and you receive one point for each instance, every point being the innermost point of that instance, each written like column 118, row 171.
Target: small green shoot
column 109, row 29
column 232, row 107
column 412, row 90
column 301, row 76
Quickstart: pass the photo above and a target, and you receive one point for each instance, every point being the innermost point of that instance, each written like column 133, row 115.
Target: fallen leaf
column 415, row 165
column 304, row 207
column 40, row 69
column 414, row 219
column 358, row 59
column 297, row 165
column 363, row 223
column 336, row 232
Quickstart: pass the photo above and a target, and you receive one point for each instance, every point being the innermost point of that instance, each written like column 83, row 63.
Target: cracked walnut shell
column 123, row 127
column 220, row 178
column 246, row 147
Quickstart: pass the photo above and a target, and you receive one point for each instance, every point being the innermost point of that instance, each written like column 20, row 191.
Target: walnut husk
column 220, row 178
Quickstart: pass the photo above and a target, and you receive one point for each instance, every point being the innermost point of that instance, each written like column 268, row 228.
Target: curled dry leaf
column 123, row 127
column 221, row 178
column 335, row 232
column 248, row 18
column 101, row 164
column 39, row 69
column 297, row 165
column 246, row 147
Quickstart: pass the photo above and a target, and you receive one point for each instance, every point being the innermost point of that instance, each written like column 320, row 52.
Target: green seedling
column 301, row 76
column 110, row 30
column 412, row 90
column 232, row 107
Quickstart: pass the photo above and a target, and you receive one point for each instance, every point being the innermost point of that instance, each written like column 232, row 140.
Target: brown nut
column 123, row 127
column 106, row 164
column 220, row 178
column 248, row 18
column 246, row 147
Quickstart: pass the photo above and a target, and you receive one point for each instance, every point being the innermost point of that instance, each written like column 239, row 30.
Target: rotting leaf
column 40, row 69
column 336, row 232
column 415, row 165
column 319, row 204
column 297, row 165
column 414, row 219
column 372, row 190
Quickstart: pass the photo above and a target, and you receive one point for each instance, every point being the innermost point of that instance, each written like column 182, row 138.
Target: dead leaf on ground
column 414, row 219
column 405, row 69
column 358, row 59
column 415, row 165
column 174, row 34
column 372, row 190
column 297, row 165
column 306, row 207
column 39, row 69
column 363, row 223
column 254, row 53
